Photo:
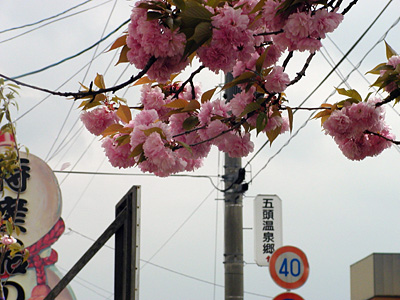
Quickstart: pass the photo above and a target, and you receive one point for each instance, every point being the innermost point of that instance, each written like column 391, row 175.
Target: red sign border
column 274, row 275
column 288, row 294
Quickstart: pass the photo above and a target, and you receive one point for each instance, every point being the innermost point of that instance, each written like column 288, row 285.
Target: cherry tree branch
column 83, row 94
column 346, row 10
column 269, row 33
column 189, row 80
column 384, row 137
column 303, row 71
column 393, row 95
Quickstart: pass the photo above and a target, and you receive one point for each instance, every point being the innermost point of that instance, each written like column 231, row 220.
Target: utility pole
column 233, row 220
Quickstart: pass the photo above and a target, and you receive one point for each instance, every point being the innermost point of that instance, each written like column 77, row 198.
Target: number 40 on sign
column 289, row 267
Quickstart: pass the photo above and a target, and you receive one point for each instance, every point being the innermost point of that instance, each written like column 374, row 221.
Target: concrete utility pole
column 233, row 222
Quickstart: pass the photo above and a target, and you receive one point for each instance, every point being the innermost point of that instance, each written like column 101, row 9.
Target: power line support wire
column 233, row 222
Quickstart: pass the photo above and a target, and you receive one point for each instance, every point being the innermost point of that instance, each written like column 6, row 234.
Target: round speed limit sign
column 289, row 267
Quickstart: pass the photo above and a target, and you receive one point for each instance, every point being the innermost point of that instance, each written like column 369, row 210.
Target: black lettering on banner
column 18, row 180
column 7, row 209
column 18, row 288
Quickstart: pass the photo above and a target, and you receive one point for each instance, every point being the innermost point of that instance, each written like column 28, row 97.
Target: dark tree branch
column 303, row 71
column 79, row 95
column 269, row 33
column 288, row 58
column 189, row 80
column 346, row 10
column 393, row 95
column 384, row 137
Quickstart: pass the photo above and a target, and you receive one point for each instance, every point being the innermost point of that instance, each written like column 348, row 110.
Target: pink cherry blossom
column 118, row 156
column 8, row 240
column 98, row 119
column 277, row 80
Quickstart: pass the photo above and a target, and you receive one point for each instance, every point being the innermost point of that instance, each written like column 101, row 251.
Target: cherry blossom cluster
column 177, row 123
column 351, row 128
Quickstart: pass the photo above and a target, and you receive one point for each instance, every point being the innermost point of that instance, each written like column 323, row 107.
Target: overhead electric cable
column 83, row 80
column 46, row 19
column 178, row 229
column 39, row 27
column 173, row 271
column 59, row 87
column 73, row 56
column 330, row 72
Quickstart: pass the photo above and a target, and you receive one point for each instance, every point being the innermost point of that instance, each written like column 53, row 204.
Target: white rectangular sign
column 267, row 227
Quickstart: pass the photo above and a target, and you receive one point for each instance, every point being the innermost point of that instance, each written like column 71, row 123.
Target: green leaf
column 179, row 4
column 350, row 93
column 258, row 6
column 186, row 146
column 260, row 61
column 202, row 33
column 261, row 122
column 137, row 151
column 9, row 228
column 194, row 14
column 154, row 15
column 252, row 106
column 377, row 70
column 242, row 78
column 389, row 51
column 190, row 123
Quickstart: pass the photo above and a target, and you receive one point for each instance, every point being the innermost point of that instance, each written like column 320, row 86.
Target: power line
column 170, row 270
column 39, row 27
column 83, row 80
column 46, row 19
column 73, row 56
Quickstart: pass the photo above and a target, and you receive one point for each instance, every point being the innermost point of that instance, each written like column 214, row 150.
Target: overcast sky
column 337, row 211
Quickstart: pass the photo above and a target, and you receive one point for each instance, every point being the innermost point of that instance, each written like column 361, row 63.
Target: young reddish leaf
column 122, row 56
column 207, row 95
column 123, row 139
column 177, row 103
column 149, row 131
column 85, row 88
column 99, row 81
column 389, row 51
column 273, row 134
column 143, row 80
column 119, row 42
column 192, row 106
column 124, row 113
column 112, row 130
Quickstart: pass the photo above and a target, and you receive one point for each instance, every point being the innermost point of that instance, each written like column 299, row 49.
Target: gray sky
column 337, row 211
